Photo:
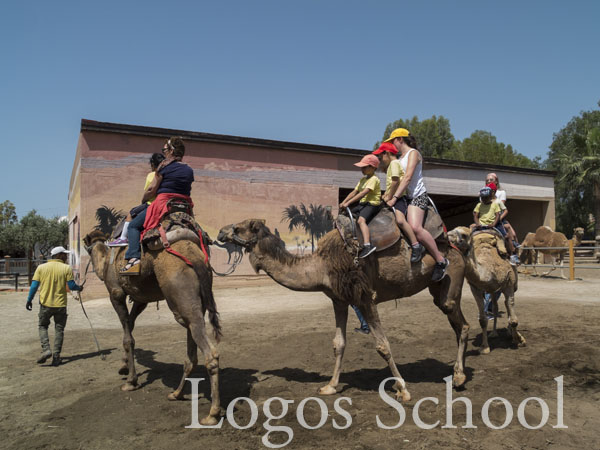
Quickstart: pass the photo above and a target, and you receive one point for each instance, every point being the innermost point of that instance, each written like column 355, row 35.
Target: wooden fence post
column 571, row 260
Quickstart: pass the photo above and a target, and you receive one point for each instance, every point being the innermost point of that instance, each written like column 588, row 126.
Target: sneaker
column 514, row 260
column 121, row 242
column 416, row 253
column 362, row 330
column 366, row 251
column 44, row 356
column 56, row 360
column 439, row 270
column 489, row 316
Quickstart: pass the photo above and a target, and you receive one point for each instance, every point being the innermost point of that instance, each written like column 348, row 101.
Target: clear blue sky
column 321, row 72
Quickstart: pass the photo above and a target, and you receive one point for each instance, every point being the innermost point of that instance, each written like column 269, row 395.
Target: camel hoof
column 209, row 421
column 459, row 379
column 174, row 396
column 484, row 351
column 327, row 390
column 124, row 370
column 128, row 387
column 403, row 396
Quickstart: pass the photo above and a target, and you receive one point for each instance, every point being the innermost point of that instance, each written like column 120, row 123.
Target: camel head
column 99, row 252
column 461, row 238
column 578, row 234
column 245, row 234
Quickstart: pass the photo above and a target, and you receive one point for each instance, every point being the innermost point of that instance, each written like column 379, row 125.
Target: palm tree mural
column 316, row 220
column 108, row 218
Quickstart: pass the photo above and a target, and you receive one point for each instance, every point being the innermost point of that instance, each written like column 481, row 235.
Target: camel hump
column 491, row 239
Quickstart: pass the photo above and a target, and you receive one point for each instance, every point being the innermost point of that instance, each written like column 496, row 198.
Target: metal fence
column 14, row 272
column 571, row 251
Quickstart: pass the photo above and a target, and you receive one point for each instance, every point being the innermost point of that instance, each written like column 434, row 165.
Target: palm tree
column 108, row 218
column 579, row 166
column 316, row 220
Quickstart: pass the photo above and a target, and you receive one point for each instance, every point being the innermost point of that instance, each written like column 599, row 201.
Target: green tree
column 433, row 134
column 482, row 146
column 575, row 155
column 316, row 220
column 8, row 214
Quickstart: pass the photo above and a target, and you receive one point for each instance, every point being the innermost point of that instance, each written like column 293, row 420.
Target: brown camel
column 487, row 271
column 188, row 292
column 545, row 237
column 383, row 276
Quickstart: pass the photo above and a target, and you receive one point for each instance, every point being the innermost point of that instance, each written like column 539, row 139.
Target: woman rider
column 412, row 164
column 173, row 179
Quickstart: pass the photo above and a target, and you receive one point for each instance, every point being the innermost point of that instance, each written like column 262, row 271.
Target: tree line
column 33, row 233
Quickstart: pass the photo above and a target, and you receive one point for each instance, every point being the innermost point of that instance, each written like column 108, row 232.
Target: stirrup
column 131, row 268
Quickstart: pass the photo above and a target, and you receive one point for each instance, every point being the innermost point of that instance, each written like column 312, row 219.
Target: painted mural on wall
column 315, row 220
column 108, row 218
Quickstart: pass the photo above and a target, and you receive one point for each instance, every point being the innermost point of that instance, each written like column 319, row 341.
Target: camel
column 383, row 276
column 545, row 237
column 487, row 271
column 188, row 292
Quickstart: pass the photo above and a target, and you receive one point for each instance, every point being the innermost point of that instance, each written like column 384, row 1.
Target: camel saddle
column 492, row 237
column 384, row 230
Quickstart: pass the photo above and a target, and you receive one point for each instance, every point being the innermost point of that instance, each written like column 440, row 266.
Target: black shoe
column 416, row 253
column 362, row 330
column 366, row 251
column 439, row 270
column 44, row 356
column 56, row 360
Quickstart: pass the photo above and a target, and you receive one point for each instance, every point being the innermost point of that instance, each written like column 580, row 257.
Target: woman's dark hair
column 411, row 141
column 156, row 159
column 176, row 144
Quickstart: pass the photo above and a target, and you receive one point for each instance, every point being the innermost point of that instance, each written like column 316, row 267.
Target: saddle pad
column 383, row 229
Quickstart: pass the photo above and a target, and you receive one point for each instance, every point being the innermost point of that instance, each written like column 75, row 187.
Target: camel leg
column 136, row 310
column 188, row 366
column 494, row 332
column 339, row 344
column 369, row 311
column 483, row 321
column 446, row 296
column 118, row 302
column 187, row 307
column 513, row 321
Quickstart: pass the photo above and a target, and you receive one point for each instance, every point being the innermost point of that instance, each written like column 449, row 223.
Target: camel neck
column 306, row 273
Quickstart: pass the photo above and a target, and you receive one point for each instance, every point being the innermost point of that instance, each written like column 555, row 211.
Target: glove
column 28, row 305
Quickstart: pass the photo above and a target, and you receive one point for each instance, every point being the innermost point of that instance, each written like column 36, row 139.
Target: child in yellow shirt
column 367, row 196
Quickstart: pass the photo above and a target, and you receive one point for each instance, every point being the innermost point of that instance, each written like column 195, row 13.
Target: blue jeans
column 487, row 301
column 363, row 323
column 136, row 226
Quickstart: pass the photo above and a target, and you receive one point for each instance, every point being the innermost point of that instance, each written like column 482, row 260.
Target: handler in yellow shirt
column 53, row 277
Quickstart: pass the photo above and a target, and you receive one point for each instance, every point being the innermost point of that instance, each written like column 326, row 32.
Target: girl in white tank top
column 416, row 186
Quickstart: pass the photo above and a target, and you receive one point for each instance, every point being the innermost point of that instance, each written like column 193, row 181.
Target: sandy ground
column 278, row 343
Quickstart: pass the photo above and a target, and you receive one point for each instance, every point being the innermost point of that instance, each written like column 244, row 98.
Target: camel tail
column 208, row 301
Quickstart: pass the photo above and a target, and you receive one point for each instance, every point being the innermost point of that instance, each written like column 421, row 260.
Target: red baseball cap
column 386, row 147
column 368, row 160
column 492, row 186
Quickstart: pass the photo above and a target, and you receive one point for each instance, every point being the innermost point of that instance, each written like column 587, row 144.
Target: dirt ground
column 278, row 343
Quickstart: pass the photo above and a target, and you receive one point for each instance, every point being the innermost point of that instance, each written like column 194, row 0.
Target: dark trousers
column 60, row 322
column 363, row 323
column 136, row 226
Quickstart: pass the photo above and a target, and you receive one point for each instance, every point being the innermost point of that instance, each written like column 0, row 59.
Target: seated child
column 487, row 215
column 366, row 200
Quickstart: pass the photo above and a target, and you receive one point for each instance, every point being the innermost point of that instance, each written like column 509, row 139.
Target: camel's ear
column 257, row 224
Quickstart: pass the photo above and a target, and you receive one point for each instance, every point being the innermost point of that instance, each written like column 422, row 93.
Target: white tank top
column 416, row 186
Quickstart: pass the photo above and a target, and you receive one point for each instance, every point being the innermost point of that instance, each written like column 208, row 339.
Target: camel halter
column 244, row 242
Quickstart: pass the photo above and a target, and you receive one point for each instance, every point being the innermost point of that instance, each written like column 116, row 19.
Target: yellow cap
column 398, row 132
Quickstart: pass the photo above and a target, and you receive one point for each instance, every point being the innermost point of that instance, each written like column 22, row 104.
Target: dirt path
column 278, row 344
